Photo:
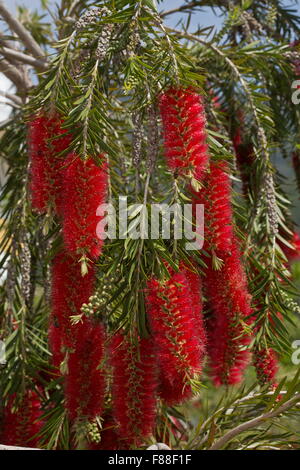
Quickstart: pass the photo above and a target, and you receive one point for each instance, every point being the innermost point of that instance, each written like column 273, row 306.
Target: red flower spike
column 22, row 423
column 85, row 190
column 226, row 288
column 216, row 198
column 85, row 380
column 228, row 326
column 183, row 118
column 175, row 315
column 69, row 291
column 266, row 365
column 46, row 140
column 195, row 285
column 134, row 388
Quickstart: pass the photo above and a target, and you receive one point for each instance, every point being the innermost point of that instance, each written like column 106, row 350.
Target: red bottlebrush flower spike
column 55, row 341
column 46, row 140
column 266, row 365
column 216, row 197
column 85, row 380
column 226, row 288
column 22, row 423
column 175, row 314
column 183, row 118
column 195, row 285
column 85, row 187
column 134, row 388
column 69, row 291
column 229, row 324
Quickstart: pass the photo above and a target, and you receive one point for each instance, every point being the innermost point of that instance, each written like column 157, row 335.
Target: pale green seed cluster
column 93, row 432
column 96, row 302
column 131, row 83
column 99, row 301
column 290, row 303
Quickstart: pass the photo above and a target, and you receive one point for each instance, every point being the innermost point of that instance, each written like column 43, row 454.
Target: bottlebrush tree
column 125, row 340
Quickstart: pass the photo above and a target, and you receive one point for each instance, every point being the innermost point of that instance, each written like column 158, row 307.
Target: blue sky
column 206, row 18
column 202, row 19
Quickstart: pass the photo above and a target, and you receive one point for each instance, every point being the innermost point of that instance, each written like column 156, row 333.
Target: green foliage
column 247, row 68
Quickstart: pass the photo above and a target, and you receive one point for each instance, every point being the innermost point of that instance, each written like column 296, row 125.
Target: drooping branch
column 253, row 423
column 262, row 140
column 237, row 74
column 202, row 436
column 25, row 36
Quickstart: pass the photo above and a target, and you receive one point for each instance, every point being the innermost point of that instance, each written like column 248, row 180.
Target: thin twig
column 88, row 108
column 14, row 75
column 160, row 24
column 198, row 440
column 73, row 7
column 3, row 447
column 11, row 97
column 9, row 43
column 16, row 26
column 24, row 58
column 182, row 8
column 220, row 443
column 7, row 103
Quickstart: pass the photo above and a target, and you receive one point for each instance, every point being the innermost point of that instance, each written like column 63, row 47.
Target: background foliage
column 101, row 83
